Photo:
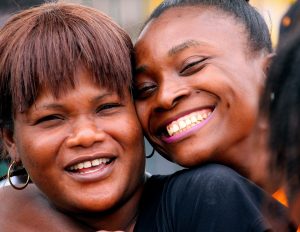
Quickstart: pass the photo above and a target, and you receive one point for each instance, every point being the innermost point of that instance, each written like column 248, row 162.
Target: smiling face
column 197, row 85
column 84, row 149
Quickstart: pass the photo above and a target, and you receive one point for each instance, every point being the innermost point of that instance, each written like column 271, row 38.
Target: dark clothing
column 290, row 20
column 209, row 198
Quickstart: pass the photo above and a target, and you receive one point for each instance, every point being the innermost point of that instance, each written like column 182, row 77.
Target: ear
column 267, row 62
column 9, row 144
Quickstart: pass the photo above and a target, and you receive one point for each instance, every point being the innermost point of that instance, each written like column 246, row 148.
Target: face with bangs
column 197, row 85
column 83, row 149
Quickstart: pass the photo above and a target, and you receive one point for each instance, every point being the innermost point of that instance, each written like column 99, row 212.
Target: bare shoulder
column 29, row 210
column 15, row 202
column 11, row 198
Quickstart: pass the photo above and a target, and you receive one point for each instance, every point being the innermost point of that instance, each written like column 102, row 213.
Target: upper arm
column 28, row 210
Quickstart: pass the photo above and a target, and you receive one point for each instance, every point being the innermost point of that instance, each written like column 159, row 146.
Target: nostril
column 170, row 94
column 177, row 99
column 169, row 104
column 85, row 138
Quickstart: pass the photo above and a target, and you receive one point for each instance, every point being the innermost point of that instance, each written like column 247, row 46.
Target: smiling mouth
column 90, row 166
column 187, row 122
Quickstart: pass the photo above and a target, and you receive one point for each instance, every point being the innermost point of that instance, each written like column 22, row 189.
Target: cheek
column 143, row 113
column 239, row 97
column 247, row 104
column 134, row 131
column 38, row 153
column 126, row 129
column 132, row 142
column 135, row 139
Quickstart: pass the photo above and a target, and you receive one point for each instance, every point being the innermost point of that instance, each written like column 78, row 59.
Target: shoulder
column 212, row 177
column 212, row 198
column 207, row 171
column 213, row 181
column 150, row 202
column 29, row 210
column 12, row 199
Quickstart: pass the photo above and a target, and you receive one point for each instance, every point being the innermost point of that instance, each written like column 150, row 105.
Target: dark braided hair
column 281, row 104
column 255, row 25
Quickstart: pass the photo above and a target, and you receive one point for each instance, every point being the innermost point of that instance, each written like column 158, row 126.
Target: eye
column 144, row 90
column 108, row 107
column 192, row 66
column 49, row 119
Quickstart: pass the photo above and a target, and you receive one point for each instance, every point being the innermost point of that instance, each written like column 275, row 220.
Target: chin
column 87, row 204
column 189, row 161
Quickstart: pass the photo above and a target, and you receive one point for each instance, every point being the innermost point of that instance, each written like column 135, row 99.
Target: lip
column 92, row 174
column 184, row 134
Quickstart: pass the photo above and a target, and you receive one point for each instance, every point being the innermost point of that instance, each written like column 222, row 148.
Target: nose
column 85, row 132
column 170, row 93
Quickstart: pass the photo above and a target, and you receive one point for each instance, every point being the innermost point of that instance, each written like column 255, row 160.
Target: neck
column 251, row 159
column 120, row 218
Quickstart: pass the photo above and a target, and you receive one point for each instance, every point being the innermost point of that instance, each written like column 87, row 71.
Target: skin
column 83, row 123
column 295, row 208
column 32, row 204
column 193, row 59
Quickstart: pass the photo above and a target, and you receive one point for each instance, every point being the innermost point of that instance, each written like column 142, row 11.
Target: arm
column 28, row 210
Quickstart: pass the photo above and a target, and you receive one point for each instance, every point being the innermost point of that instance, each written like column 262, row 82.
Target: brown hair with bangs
column 42, row 47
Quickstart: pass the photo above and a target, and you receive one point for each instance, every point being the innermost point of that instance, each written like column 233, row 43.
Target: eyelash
column 144, row 90
column 48, row 118
column 192, row 67
column 53, row 117
column 107, row 106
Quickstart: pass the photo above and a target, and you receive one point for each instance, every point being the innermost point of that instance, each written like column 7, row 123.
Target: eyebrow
column 173, row 51
column 57, row 106
column 140, row 69
column 102, row 96
column 49, row 106
column 182, row 46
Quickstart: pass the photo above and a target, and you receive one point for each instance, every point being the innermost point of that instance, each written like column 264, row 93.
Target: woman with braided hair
column 280, row 105
column 200, row 70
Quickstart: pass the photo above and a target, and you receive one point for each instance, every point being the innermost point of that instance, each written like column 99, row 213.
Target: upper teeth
column 88, row 164
column 187, row 122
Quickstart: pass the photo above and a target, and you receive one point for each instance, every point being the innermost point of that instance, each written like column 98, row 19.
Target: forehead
column 207, row 25
column 84, row 84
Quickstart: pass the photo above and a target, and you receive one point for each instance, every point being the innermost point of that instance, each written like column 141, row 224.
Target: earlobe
column 9, row 144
